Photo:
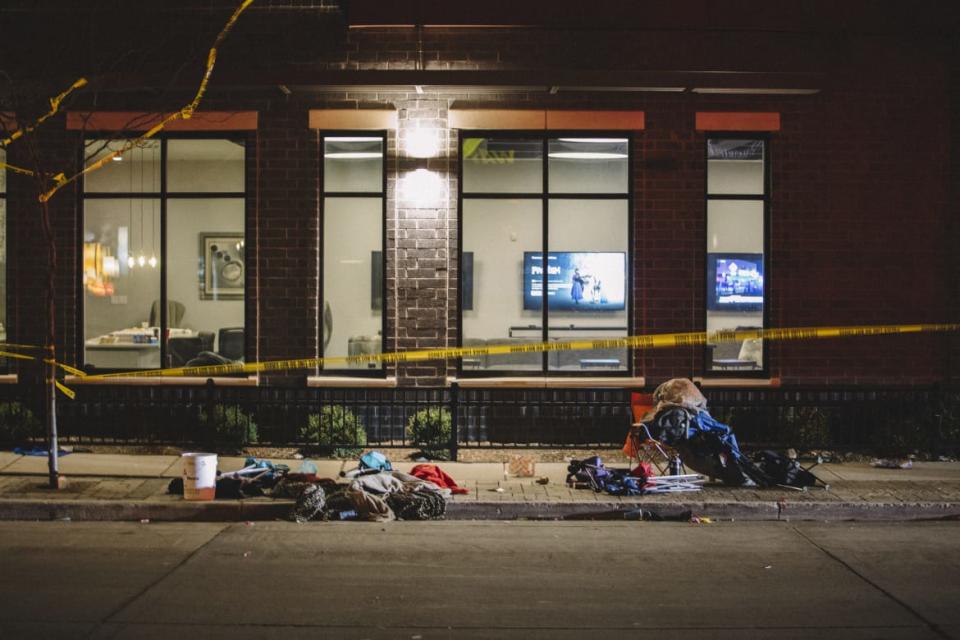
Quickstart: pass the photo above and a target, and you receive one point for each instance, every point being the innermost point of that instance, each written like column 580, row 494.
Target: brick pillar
column 283, row 286
column 421, row 239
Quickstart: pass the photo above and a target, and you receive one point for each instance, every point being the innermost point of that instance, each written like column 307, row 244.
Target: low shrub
column 18, row 424
column 430, row 430
column 334, row 431
column 232, row 428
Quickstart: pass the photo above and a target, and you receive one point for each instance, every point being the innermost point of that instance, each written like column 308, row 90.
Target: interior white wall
column 198, row 176
column 186, row 220
column 743, row 177
column 205, row 166
column 352, row 229
column 735, row 226
column 353, row 175
column 502, row 175
column 498, row 232
column 588, row 176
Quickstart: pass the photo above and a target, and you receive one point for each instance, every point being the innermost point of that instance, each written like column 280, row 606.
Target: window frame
column 545, row 196
column 322, row 195
column 163, row 195
column 764, row 371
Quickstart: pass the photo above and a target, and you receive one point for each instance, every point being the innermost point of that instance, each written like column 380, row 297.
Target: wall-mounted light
column 421, row 143
column 422, row 188
column 352, row 148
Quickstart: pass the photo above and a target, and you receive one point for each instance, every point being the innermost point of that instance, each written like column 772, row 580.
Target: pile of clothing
column 377, row 492
column 680, row 419
column 374, row 491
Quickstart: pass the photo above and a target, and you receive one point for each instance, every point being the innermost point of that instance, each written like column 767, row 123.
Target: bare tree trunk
column 50, row 367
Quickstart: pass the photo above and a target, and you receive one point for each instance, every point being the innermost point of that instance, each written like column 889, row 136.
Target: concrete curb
column 244, row 510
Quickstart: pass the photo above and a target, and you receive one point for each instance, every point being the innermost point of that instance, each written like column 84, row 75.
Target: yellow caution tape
column 54, row 107
column 70, row 393
column 67, row 368
column 10, row 345
column 655, row 341
column 15, row 356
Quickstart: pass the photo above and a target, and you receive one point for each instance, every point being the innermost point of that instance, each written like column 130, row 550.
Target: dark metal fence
column 326, row 419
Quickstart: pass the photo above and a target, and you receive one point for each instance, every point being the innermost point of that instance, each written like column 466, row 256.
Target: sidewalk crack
column 126, row 603
column 919, row 616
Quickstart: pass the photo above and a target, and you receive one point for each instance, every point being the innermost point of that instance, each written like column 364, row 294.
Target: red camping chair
column 640, row 446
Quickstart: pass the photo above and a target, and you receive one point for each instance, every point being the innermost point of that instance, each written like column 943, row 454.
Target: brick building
column 365, row 177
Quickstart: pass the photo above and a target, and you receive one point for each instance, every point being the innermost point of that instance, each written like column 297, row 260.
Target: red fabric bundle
column 437, row 476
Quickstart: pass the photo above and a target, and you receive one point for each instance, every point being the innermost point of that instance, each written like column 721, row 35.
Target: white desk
column 122, row 355
column 119, row 349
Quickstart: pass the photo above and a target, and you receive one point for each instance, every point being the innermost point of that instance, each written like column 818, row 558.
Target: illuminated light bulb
column 152, row 261
column 422, row 143
column 131, row 262
column 423, row 188
column 141, row 260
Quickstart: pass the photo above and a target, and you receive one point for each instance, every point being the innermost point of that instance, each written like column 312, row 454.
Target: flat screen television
column 735, row 282
column 576, row 280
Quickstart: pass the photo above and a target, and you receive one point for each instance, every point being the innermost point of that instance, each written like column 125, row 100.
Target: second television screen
column 576, row 280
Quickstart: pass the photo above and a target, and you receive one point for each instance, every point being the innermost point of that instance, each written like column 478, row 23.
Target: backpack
column 375, row 460
column 589, row 470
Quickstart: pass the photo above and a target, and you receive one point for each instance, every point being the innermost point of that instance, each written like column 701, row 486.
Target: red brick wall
column 861, row 226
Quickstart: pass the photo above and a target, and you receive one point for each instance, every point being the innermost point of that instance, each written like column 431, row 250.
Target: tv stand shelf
column 569, row 327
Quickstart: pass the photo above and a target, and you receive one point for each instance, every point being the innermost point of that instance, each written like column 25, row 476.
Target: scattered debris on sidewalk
column 374, row 491
column 892, row 463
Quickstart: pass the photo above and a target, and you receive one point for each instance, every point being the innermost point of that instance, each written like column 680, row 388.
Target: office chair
column 230, row 343
column 183, row 349
column 175, row 313
column 230, row 349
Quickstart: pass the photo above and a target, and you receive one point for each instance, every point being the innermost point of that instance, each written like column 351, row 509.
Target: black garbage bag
column 783, row 470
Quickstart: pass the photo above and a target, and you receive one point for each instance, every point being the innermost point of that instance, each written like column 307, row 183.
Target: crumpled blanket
column 436, row 475
column 310, row 504
column 368, row 506
column 679, row 392
column 417, row 505
column 379, row 483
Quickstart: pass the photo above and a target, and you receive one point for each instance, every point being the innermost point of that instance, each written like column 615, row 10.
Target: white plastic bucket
column 199, row 476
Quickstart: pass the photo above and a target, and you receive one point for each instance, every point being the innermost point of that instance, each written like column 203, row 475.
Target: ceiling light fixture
column 353, row 155
column 595, row 140
column 586, row 155
column 755, row 91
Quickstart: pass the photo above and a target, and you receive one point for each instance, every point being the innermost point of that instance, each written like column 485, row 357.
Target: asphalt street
column 479, row 580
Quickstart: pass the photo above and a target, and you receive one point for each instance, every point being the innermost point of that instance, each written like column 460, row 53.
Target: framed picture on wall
column 221, row 266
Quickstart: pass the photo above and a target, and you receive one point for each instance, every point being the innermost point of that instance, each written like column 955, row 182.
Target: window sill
column 133, row 381
column 738, row 383
column 547, row 383
column 349, row 381
column 8, row 378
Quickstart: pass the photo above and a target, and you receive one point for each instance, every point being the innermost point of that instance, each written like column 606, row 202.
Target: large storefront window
column 737, row 204
column 353, row 265
column 164, row 266
column 557, row 230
